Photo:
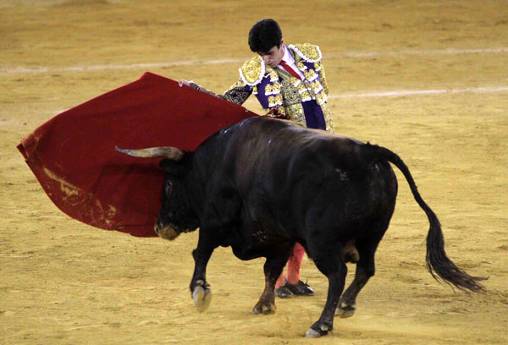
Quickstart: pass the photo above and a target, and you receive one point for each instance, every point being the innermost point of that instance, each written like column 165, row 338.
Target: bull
column 263, row 184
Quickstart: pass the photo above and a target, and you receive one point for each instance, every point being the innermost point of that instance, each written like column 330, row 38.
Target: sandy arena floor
column 446, row 62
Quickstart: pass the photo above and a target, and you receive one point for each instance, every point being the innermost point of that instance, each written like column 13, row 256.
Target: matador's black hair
column 264, row 35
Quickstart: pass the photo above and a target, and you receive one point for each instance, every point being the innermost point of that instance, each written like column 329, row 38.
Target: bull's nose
column 156, row 227
column 166, row 231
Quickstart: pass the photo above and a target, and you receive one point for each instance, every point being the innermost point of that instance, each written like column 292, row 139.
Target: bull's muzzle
column 166, row 232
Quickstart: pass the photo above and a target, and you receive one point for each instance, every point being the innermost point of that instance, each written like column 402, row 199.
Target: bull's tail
column 438, row 263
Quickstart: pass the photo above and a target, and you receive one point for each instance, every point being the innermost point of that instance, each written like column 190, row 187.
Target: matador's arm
column 237, row 93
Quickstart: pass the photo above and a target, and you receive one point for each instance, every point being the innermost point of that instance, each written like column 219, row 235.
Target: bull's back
column 279, row 162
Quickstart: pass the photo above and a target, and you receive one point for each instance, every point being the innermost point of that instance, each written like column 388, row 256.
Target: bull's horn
column 161, row 151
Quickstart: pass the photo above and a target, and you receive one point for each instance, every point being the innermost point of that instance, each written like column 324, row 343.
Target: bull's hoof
column 202, row 296
column 318, row 329
column 345, row 310
column 312, row 333
column 263, row 308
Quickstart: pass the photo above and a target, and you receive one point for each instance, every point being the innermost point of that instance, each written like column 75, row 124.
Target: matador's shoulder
column 252, row 71
column 306, row 51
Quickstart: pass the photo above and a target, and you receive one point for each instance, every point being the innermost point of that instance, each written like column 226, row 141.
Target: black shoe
column 283, row 291
column 300, row 289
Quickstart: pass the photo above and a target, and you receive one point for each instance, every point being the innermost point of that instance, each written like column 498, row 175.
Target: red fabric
column 73, row 154
column 289, row 69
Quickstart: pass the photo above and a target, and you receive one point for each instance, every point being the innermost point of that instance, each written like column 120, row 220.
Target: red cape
column 73, row 154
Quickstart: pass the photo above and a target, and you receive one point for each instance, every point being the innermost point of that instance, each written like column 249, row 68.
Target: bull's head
column 176, row 214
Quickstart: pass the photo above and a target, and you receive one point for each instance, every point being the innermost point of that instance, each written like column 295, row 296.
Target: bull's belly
column 259, row 243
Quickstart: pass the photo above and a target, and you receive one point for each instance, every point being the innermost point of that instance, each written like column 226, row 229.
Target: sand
column 63, row 282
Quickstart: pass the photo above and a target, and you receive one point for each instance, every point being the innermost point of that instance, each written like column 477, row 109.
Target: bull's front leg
column 273, row 268
column 200, row 289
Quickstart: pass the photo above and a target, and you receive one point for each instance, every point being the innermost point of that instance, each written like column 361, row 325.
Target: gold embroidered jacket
column 280, row 92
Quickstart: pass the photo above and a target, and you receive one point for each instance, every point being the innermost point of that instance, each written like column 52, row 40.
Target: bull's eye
column 169, row 188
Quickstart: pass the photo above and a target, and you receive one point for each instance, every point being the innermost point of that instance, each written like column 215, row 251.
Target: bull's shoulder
column 252, row 71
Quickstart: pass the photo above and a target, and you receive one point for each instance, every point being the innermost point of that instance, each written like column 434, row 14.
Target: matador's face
column 274, row 55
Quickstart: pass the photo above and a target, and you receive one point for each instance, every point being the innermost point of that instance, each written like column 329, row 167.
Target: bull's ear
column 172, row 167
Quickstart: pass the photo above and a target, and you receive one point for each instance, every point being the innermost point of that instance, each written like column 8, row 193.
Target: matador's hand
column 195, row 86
column 275, row 113
column 188, row 83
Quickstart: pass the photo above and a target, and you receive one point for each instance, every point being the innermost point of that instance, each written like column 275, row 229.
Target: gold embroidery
column 305, row 95
column 273, row 76
column 330, row 125
column 237, row 93
column 274, row 101
column 316, row 86
column 268, row 90
column 308, row 52
column 272, row 89
column 307, row 87
column 252, row 71
column 310, row 75
column 296, row 114
column 321, row 98
column 290, row 94
column 301, row 66
column 322, row 77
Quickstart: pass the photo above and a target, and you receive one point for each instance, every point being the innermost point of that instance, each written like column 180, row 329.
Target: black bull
column 263, row 184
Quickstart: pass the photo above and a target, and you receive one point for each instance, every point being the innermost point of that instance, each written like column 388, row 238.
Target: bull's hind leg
column 365, row 269
column 273, row 268
column 330, row 263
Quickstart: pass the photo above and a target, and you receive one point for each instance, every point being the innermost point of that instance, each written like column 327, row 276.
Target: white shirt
column 288, row 58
